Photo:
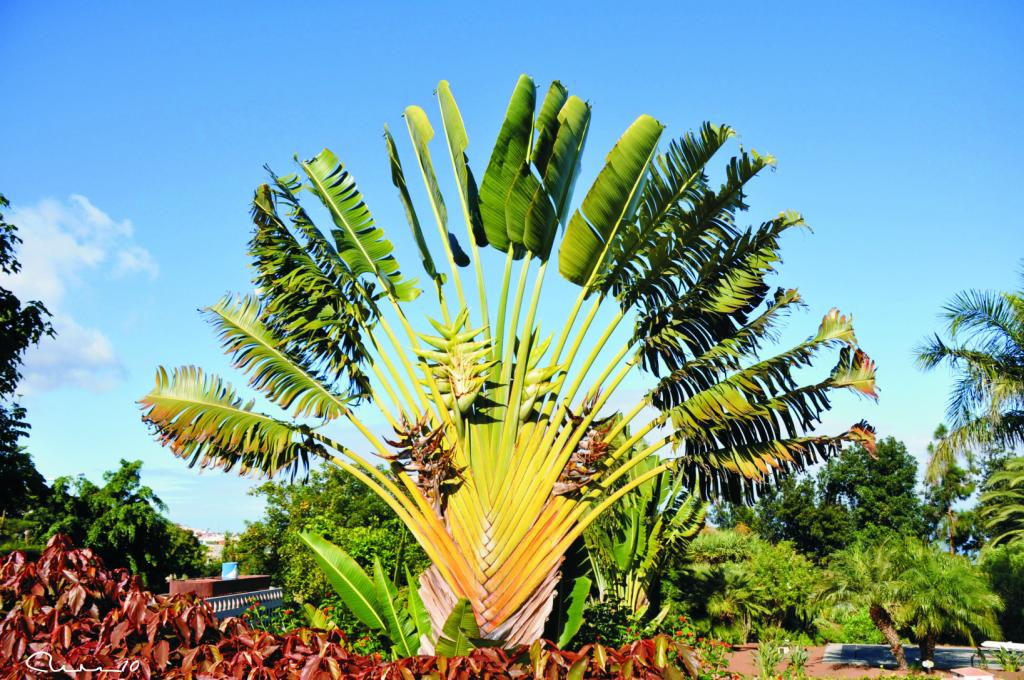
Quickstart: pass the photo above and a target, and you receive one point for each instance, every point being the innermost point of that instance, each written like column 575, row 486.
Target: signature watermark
column 42, row 662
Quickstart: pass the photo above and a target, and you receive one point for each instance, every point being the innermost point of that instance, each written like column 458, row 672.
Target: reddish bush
column 67, row 612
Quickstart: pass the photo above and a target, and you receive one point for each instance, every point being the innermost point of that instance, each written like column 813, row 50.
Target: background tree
column 859, row 495
column 1004, row 566
column 332, row 504
column 943, row 596
column 868, row 577
column 123, row 522
column 985, row 351
column 957, row 528
column 22, row 324
column 796, row 511
column 878, row 488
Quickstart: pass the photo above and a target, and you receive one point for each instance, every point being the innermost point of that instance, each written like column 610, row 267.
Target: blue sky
column 133, row 135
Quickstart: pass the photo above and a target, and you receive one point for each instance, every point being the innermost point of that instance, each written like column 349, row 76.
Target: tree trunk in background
column 884, row 623
column 928, row 648
column 952, row 528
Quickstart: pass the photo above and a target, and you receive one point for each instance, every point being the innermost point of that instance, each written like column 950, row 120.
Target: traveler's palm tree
column 500, row 447
column 986, row 351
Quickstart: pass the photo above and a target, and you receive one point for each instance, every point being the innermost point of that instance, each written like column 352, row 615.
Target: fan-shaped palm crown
column 501, row 449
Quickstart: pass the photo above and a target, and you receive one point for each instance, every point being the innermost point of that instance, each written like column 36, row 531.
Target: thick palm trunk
column 928, row 648
column 880, row 617
column 522, row 627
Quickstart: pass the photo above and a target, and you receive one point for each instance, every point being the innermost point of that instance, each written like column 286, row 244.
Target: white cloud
column 135, row 259
column 78, row 356
column 65, row 247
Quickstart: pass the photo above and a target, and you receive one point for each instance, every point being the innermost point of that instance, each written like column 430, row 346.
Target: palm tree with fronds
column 942, row 594
column 868, row 577
column 1002, row 502
column 985, row 350
column 499, row 440
column 738, row 600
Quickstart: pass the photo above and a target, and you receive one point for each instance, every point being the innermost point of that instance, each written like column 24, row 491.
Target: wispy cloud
column 68, row 246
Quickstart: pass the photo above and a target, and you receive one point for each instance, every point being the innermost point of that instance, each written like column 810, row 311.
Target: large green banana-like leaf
column 574, row 613
column 422, row 133
column 534, row 205
column 507, row 160
column 255, row 350
column 348, row 579
column 417, row 610
column 458, row 142
column 310, row 296
column 357, row 239
column 610, row 202
column 400, row 626
column 549, row 202
column 398, row 179
column 202, row 419
column 547, row 126
column 459, row 631
column 677, row 179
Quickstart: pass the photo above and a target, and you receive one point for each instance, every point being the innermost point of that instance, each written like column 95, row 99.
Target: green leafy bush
column 852, row 628
column 737, row 585
column 1004, row 566
column 333, row 505
column 608, row 623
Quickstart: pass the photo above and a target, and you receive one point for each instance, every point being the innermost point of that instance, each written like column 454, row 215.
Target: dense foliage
column 67, row 609
column 124, row 523
column 331, row 504
column 22, row 324
column 735, row 585
column 1004, row 566
column 858, row 496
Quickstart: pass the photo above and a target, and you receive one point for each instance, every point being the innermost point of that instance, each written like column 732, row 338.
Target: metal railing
column 236, row 603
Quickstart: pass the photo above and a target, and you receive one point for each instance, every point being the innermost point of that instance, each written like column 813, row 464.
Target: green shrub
column 851, row 628
column 1004, row 566
column 606, row 622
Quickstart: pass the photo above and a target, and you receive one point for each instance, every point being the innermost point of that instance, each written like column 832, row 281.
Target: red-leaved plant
column 66, row 615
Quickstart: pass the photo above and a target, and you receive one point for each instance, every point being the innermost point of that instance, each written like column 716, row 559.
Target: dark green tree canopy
column 856, row 495
column 22, row 324
column 879, row 491
column 123, row 522
column 331, row 504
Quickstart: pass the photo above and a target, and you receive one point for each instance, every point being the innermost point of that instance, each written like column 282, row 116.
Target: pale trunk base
column 523, row 627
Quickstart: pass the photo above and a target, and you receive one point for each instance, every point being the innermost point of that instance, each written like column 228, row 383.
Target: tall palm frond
column 502, row 450
column 1002, row 502
column 985, row 350
column 942, row 594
